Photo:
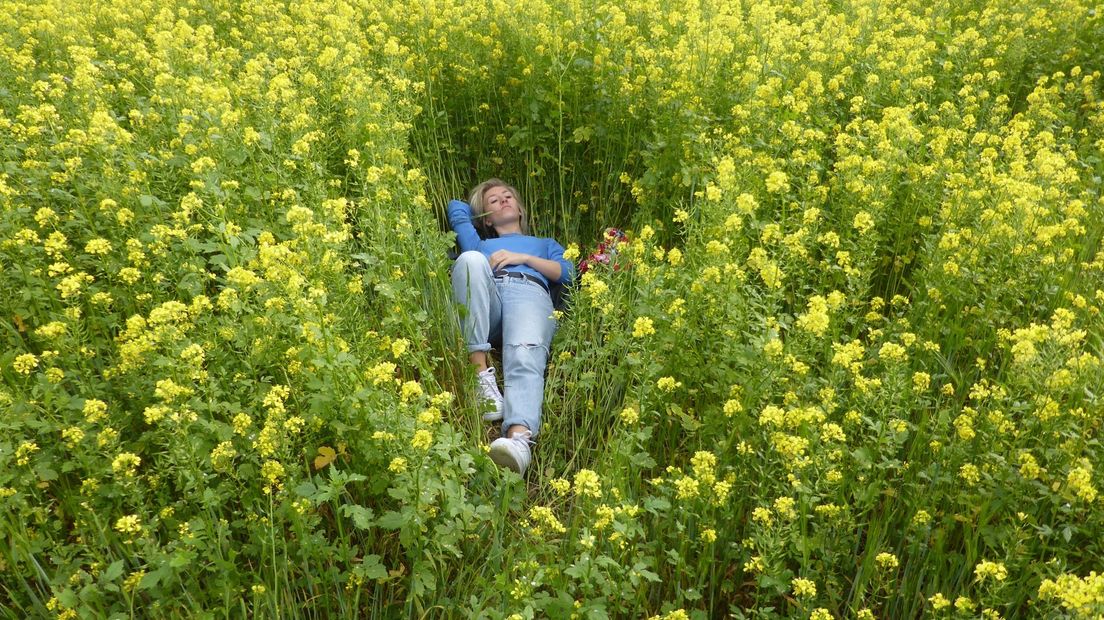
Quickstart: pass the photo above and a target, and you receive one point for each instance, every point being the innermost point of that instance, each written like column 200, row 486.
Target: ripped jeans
column 520, row 312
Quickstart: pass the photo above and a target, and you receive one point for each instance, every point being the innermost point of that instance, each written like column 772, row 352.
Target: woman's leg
column 473, row 287
column 527, row 330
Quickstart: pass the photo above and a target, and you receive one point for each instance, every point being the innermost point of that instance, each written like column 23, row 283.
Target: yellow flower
column 1029, row 467
column 429, row 416
column 410, row 391
column 222, row 456
column 704, row 464
column 892, row 352
column 380, row 373
column 754, row 565
column 422, row 440
column 128, row 525
column 777, row 182
column 397, row 465
column 442, row 399
column 686, row 488
column 921, row 381
column 544, row 520
column 721, row 489
column 863, row 222
column 125, row 464
column 815, row 319
column 938, row 601
column 24, row 364
column 1082, row 596
column 969, row 474
column 24, row 451
column 98, row 247
column 272, row 474
column 560, row 486
column 133, row 579
column 803, row 588
column 784, row 507
column 1080, row 483
column 986, row 570
column 643, row 327
column 771, row 274
column 129, row 275
column 886, row 561
column 241, row 423
column 587, row 483
column 72, row 436
column 399, row 346
column 668, row 384
column 45, row 217
column 629, row 416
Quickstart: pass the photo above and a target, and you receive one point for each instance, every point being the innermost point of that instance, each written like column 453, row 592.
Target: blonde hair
column 475, row 199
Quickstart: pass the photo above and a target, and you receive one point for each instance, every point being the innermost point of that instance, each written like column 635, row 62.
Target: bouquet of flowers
column 606, row 252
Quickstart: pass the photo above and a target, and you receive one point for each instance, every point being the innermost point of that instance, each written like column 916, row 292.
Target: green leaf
column 180, row 559
column 150, row 580
column 371, row 568
column 643, row 460
column 68, row 598
column 46, row 473
column 306, row 489
column 362, row 517
column 114, row 571
column 656, row 505
column 862, row 457
column 392, row 520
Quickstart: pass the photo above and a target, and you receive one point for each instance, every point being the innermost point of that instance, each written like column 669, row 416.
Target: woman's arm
column 555, row 268
column 567, row 268
column 460, row 219
column 548, row 268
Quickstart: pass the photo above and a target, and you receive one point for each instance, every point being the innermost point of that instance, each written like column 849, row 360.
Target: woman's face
column 501, row 206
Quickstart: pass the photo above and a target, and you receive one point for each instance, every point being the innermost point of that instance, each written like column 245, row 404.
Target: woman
column 503, row 282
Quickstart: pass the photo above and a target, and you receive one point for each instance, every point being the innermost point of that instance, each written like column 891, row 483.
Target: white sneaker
column 488, row 388
column 512, row 452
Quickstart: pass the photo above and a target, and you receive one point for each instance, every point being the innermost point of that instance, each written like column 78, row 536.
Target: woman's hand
column 505, row 258
column 550, row 269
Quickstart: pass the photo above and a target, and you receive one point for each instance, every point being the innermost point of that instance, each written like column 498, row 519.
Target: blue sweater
column 460, row 218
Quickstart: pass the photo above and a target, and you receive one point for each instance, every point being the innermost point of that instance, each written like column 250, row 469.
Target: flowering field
column 846, row 363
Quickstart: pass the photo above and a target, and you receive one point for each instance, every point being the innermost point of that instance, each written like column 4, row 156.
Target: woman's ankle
column 479, row 360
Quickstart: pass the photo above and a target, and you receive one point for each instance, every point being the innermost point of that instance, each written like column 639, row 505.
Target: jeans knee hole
column 529, row 346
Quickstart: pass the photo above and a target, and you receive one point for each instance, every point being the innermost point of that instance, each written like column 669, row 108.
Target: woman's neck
column 513, row 228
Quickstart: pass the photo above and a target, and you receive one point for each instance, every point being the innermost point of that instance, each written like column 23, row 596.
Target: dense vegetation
column 846, row 364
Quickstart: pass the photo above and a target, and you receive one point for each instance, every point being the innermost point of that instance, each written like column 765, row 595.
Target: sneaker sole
column 503, row 458
column 493, row 416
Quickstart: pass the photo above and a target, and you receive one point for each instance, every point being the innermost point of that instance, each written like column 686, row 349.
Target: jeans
column 518, row 310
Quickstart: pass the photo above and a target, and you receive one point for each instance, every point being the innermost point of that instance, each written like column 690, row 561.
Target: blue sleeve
column 556, row 253
column 460, row 219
